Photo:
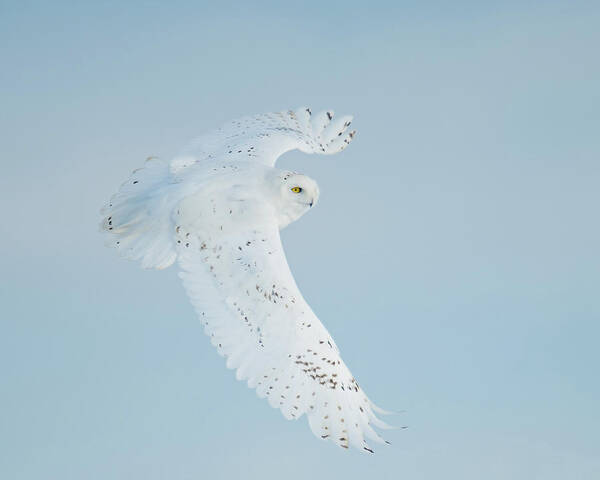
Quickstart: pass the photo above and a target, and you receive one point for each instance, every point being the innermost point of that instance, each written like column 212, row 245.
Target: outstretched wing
column 237, row 277
column 263, row 138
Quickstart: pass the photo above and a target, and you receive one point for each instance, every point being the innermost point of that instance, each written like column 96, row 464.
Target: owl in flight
column 217, row 210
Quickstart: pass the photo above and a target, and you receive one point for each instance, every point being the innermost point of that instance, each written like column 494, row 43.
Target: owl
column 217, row 210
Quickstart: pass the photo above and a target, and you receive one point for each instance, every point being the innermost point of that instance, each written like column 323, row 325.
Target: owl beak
column 311, row 203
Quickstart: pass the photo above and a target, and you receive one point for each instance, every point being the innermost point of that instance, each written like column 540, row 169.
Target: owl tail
column 137, row 219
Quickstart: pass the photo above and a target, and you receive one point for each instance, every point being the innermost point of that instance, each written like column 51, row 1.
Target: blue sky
column 453, row 254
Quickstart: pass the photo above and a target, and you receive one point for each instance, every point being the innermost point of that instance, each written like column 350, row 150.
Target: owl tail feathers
column 137, row 219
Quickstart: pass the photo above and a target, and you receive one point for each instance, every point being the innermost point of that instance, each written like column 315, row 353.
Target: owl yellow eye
column 296, row 189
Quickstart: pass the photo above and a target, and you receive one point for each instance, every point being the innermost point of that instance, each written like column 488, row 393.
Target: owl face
column 300, row 190
column 298, row 193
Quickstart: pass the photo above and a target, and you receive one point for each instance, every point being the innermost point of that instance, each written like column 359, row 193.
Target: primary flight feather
column 217, row 210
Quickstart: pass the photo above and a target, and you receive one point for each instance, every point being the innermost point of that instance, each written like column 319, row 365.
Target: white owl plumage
column 217, row 210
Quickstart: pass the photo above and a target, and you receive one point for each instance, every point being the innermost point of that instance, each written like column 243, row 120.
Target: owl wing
column 263, row 138
column 240, row 284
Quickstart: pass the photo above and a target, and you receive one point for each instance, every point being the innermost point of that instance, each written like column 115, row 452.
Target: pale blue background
column 453, row 255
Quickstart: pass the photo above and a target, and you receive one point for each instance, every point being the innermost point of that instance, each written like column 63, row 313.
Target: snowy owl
column 217, row 210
